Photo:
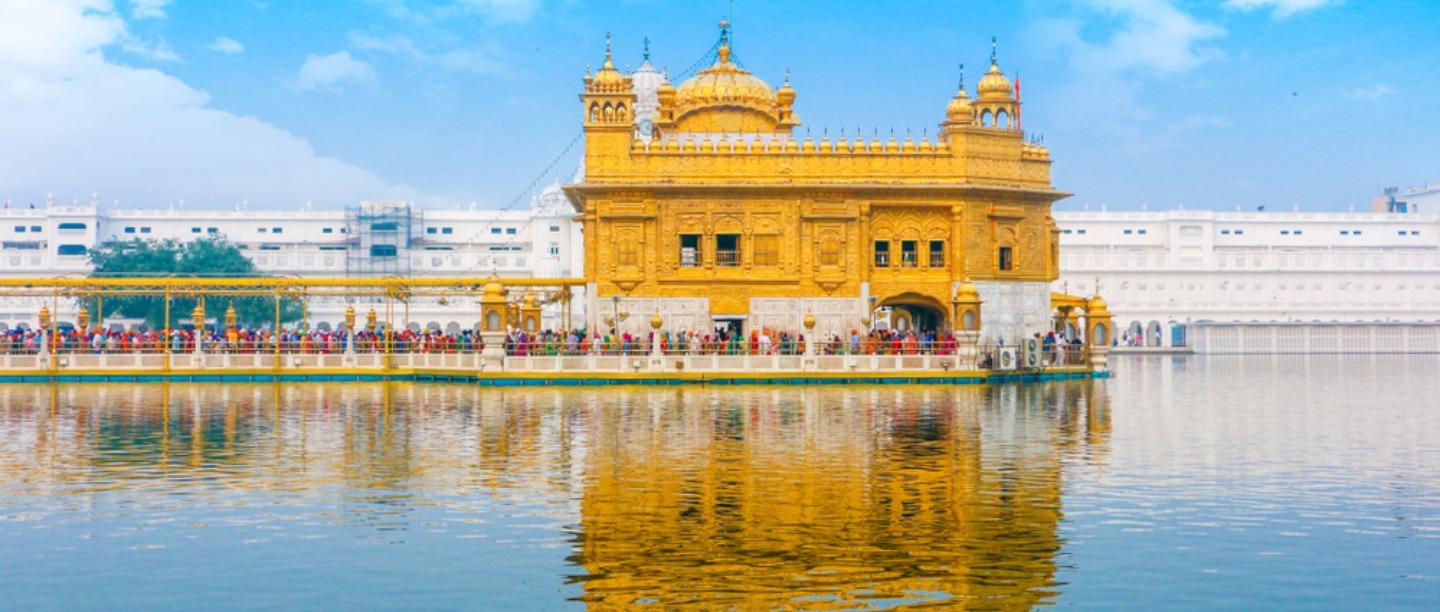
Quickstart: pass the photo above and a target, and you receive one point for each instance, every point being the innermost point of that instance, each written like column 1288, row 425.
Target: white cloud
column 1280, row 9
column 1374, row 93
column 1112, row 48
column 332, row 72
column 148, row 9
column 227, row 45
column 486, row 60
column 75, row 122
column 157, row 50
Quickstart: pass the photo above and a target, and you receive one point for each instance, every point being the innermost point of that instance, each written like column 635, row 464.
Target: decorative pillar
column 197, row 318
column 350, row 331
column 657, row 352
column 530, row 313
column 492, row 324
column 45, row 334
column 808, row 363
column 1098, row 331
column 967, row 324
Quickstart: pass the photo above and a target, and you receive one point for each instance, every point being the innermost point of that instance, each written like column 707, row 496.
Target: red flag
column 1018, row 104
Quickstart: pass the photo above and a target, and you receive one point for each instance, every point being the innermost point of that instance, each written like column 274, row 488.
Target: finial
column 993, row 45
column 646, row 52
column 724, row 32
column 607, row 46
column 787, row 75
column 962, row 77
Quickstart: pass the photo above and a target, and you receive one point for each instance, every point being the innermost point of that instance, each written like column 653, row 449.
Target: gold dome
column 494, row 288
column 995, row 84
column 607, row 78
column 1097, row 306
column 960, row 110
column 736, row 99
column 967, row 293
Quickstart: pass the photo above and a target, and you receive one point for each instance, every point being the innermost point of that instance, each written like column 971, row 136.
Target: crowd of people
column 721, row 341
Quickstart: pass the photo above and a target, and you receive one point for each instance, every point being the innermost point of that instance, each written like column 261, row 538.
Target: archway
column 916, row 312
column 1153, row 334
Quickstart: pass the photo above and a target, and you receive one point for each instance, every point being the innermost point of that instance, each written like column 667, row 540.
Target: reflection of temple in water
column 744, row 497
column 759, row 499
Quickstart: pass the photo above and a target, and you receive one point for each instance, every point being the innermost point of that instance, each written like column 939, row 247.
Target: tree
column 213, row 258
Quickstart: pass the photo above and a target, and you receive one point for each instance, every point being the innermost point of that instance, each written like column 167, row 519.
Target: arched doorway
column 915, row 312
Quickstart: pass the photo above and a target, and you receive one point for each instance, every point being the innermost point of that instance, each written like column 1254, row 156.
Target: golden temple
column 707, row 206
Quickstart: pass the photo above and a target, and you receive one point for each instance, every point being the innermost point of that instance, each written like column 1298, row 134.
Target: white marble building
column 1164, row 273
column 374, row 239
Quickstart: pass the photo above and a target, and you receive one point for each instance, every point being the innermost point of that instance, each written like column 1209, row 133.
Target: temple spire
column 994, row 53
column 646, row 52
column 962, row 76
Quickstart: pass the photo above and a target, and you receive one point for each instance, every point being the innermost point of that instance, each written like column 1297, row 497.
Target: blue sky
column 1218, row 104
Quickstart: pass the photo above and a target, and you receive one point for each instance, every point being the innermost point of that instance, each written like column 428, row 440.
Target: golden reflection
column 745, row 497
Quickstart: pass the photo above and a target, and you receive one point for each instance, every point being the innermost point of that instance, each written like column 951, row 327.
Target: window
column 1128, row 232
column 1005, row 259
column 1142, row 232
column 1357, row 233
column 882, row 253
column 1224, row 232
column 727, row 250
column 35, row 229
column 555, row 248
column 384, row 226
column 494, row 230
column 937, row 253
column 145, row 230
column 830, row 251
column 626, row 254
column 909, row 254
column 269, row 247
column 64, row 227
column 510, row 231
column 130, row 230
column 212, row 230
column 1065, row 231
column 1284, row 232
column 328, row 230
column 19, row 229
column 430, row 230
column 71, row 249
column 344, row 230
column 689, row 250
column 261, row 230
column 1081, row 232
column 554, row 228
column 277, row 230
column 194, row 230
column 382, row 250
column 447, row 230
column 1299, row 232
column 1239, row 232
column 767, row 250
column 1344, row 232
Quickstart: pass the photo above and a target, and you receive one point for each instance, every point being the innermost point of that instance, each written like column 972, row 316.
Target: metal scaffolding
column 379, row 238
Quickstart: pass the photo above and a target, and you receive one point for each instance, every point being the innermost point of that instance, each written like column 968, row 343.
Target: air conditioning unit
column 1009, row 358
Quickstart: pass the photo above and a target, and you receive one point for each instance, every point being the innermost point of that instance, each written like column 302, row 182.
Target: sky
column 1315, row 104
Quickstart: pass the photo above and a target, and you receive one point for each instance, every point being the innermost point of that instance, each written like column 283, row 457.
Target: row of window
column 1139, row 231
column 910, row 254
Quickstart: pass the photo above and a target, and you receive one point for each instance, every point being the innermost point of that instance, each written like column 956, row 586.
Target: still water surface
column 1180, row 483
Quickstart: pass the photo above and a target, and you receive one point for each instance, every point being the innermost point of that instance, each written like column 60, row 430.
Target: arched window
column 492, row 321
column 986, row 119
column 1002, row 119
column 594, row 112
column 967, row 320
column 1102, row 334
column 620, row 112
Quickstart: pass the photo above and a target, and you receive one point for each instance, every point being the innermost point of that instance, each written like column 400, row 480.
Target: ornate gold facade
column 718, row 197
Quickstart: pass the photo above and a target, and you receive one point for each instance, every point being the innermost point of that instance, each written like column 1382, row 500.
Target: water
column 1180, row 483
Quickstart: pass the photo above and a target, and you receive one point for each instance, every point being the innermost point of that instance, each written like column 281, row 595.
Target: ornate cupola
column 609, row 98
column 996, row 103
column 960, row 112
column 646, row 81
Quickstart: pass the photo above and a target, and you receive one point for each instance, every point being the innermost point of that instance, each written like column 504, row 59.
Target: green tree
column 213, row 258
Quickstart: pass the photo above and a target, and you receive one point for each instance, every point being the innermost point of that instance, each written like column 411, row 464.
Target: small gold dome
column 1097, row 305
column 995, row 85
column 656, row 321
column 607, row 78
column 809, row 321
column 967, row 292
column 786, row 94
column 494, row 289
column 960, row 109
